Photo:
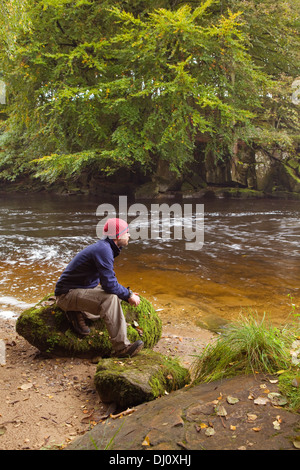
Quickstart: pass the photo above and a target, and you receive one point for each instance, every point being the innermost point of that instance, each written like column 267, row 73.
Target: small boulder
column 131, row 381
column 45, row 326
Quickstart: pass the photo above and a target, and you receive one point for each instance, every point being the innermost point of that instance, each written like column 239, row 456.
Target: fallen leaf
column 296, row 382
column 277, row 399
column 232, row 400
column 210, row 432
column 146, row 441
column 26, row 386
column 261, row 401
column 220, row 410
column 296, row 442
column 251, row 416
column 233, row 428
column 276, row 425
column 257, row 429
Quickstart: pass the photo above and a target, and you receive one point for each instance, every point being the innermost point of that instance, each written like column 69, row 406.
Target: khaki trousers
column 98, row 303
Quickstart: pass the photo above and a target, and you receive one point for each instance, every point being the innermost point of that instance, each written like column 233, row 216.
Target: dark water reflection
column 250, row 258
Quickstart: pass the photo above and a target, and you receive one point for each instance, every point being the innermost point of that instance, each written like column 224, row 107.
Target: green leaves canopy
column 105, row 85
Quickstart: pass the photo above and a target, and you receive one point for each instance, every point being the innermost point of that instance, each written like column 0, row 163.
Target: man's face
column 123, row 240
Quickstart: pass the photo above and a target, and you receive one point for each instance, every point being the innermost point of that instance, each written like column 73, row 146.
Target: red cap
column 114, row 228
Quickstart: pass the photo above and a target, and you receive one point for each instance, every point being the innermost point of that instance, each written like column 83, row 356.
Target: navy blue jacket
column 91, row 266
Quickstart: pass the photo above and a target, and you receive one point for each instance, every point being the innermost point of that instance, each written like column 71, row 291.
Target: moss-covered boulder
column 142, row 378
column 45, row 326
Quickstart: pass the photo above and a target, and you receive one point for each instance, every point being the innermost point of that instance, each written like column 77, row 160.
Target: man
column 88, row 289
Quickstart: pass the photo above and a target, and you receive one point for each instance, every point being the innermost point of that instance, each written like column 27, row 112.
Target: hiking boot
column 130, row 350
column 77, row 320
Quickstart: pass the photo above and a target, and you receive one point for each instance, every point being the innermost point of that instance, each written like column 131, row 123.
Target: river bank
column 249, row 261
column 47, row 402
column 146, row 191
column 52, row 404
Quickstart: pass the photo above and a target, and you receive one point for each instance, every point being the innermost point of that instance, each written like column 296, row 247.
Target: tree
column 104, row 85
column 272, row 31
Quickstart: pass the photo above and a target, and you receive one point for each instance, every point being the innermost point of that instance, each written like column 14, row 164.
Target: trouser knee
column 112, row 299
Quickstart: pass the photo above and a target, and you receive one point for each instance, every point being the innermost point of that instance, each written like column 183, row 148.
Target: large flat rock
column 202, row 417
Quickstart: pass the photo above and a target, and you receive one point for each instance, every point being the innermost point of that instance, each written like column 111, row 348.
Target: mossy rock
column 45, row 326
column 145, row 377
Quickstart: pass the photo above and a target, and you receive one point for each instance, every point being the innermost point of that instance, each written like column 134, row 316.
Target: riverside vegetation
column 253, row 345
column 240, row 399
column 189, row 415
column 249, row 345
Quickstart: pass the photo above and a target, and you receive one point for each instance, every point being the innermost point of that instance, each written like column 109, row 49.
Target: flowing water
column 250, row 260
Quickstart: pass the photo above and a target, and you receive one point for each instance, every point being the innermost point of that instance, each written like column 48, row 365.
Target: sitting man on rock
column 88, row 289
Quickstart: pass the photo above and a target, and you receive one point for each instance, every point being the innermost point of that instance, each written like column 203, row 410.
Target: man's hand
column 134, row 299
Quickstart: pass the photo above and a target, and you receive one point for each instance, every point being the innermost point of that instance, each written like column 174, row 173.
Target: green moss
column 243, row 193
column 292, row 172
column 143, row 321
column 292, row 392
column 46, row 327
column 142, row 378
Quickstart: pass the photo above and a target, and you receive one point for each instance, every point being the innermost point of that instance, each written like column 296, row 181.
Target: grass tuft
column 246, row 346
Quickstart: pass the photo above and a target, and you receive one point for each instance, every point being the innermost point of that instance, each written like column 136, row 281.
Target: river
column 249, row 262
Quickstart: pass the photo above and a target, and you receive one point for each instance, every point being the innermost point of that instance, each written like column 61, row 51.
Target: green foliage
column 289, row 390
column 108, row 85
column 246, row 346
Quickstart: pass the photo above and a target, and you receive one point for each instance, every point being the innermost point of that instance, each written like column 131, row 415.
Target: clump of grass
column 248, row 345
